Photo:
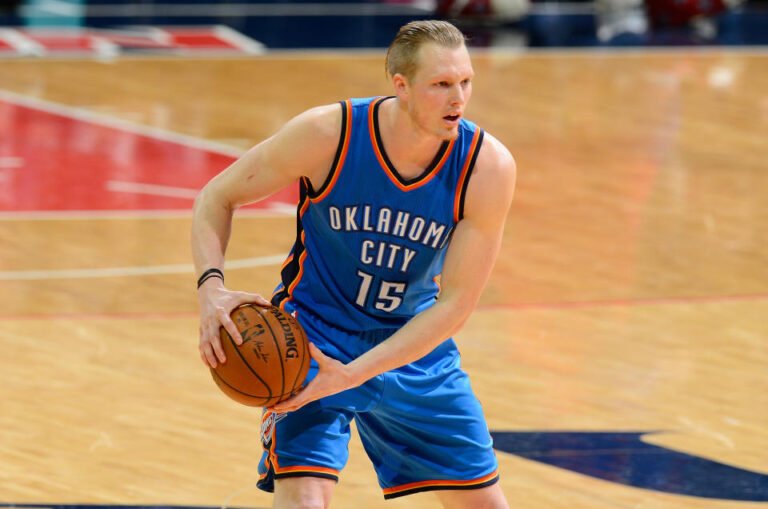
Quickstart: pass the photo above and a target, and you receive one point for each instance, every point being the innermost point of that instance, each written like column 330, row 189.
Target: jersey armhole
column 338, row 159
column 477, row 143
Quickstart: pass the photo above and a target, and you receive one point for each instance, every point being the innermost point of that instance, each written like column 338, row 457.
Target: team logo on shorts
column 268, row 427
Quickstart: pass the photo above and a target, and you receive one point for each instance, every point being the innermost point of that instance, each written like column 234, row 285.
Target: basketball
column 271, row 364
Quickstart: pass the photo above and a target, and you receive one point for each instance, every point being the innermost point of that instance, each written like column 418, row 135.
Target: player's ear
column 401, row 85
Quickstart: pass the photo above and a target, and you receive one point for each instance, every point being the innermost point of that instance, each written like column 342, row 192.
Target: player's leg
column 307, row 445
column 428, row 433
column 305, row 450
column 490, row 497
column 303, row 493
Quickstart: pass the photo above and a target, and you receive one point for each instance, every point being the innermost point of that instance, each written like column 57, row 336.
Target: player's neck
column 410, row 148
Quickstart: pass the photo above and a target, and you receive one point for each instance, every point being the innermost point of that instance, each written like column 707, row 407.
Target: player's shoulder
column 323, row 122
column 495, row 161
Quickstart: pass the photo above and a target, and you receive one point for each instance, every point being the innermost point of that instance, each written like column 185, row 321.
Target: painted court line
column 146, row 315
column 652, row 301
column 281, row 209
column 101, row 119
column 182, row 268
column 117, row 186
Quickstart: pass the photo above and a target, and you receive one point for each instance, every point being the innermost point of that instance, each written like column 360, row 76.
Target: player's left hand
column 332, row 377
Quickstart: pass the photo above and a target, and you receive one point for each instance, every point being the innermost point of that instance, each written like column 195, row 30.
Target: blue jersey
column 370, row 244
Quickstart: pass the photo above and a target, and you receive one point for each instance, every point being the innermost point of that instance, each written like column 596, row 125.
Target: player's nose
column 458, row 96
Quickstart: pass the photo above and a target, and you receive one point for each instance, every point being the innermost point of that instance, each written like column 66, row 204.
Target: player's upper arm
column 304, row 146
column 477, row 239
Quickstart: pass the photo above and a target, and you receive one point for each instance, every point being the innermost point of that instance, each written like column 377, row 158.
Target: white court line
column 514, row 52
column 10, row 162
column 151, row 189
column 181, row 268
column 240, row 41
column 280, row 207
column 85, row 115
column 275, row 210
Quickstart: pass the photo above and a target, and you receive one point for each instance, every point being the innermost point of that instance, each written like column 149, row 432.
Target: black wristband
column 208, row 274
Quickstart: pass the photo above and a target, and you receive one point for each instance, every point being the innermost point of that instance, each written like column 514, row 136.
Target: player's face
column 440, row 89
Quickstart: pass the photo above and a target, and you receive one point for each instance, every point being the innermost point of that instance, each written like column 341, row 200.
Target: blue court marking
column 624, row 458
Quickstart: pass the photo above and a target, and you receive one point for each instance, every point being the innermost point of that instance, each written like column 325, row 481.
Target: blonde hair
column 402, row 54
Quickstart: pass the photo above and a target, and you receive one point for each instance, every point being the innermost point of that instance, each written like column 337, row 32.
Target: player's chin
column 449, row 130
column 450, row 134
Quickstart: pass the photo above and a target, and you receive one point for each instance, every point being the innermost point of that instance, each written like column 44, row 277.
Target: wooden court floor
column 631, row 294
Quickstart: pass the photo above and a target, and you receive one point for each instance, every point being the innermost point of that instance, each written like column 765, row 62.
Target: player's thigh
column 490, row 497
column 303, row 493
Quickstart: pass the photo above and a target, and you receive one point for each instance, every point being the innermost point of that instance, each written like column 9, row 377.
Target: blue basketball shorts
column 421, row 425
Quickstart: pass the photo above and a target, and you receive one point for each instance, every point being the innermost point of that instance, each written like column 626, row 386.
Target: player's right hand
column 216, row 303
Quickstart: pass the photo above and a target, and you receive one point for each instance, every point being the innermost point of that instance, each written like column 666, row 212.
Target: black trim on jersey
column 344, row 121
column 437, row 487
column 291, row 271
column 473, row 155
column 427, row 172
column 308, row 473
column 267, row 483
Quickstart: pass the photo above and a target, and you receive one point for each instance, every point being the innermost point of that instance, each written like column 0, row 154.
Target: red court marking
column 91, row 42
column 62, row 42
column 201, row 41
column 68, row 162
column 709, row 299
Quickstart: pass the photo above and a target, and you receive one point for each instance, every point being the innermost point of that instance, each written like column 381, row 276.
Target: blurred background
column 287, row 24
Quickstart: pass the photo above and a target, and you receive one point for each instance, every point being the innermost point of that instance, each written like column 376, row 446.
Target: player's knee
column 302, row 503
column 303, row 493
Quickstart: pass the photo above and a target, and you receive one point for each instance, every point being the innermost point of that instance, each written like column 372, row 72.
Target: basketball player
column 401, row 200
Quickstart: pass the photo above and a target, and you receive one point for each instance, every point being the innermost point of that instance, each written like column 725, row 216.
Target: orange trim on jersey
column 336, row 170
column 439, row 483
column 437, row 280
column 308, row 468
column 287, row 261
column 302, row 257
column 383, row 163
column 304, row 206
column 464, row 171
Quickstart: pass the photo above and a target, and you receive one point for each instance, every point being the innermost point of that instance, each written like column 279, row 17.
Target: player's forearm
column 415, row 340
column 211, row 226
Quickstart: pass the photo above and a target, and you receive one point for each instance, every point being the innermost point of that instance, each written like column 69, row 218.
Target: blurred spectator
column 485, row 10
column 9, row 6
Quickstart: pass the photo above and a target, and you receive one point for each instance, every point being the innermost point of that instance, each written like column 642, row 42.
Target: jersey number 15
column 389, row 297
